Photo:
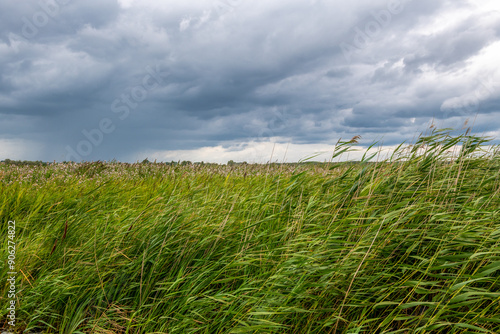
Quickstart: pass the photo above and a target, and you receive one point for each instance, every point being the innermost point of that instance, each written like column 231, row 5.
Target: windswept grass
column 409, row 245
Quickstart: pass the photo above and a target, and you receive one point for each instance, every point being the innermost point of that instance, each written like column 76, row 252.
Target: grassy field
column 408, row 245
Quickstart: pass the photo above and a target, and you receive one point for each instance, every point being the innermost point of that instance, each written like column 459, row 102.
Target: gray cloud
column 455, row 44
column 234, row 72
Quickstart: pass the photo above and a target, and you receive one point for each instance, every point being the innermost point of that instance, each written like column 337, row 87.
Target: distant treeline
column 179, row 163
column 24, row 162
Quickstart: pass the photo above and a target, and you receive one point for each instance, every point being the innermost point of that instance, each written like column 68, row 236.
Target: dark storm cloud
column 109, row 79
column 455, row 44
column 338, row 72
column 48, row 20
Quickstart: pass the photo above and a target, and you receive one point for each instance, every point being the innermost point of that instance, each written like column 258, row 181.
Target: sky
column 219, row 80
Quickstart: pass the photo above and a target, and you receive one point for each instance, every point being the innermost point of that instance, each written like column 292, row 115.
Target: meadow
column 405, row 245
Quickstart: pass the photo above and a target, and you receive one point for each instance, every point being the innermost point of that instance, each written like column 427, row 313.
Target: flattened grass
column 408, row 245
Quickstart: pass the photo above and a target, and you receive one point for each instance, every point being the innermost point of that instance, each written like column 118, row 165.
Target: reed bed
column 405, row 245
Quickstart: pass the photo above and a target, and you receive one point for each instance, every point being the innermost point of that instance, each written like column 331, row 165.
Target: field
column 405, row 245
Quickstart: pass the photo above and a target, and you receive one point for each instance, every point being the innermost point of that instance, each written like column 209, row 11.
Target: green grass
column 408, row 245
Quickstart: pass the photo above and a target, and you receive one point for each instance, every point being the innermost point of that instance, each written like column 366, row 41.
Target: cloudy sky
column 215, row 80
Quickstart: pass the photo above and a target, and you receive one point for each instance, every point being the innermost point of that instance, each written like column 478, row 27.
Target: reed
column 405, row 245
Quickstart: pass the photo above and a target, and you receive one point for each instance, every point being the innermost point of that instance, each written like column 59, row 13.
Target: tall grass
column 407, row 245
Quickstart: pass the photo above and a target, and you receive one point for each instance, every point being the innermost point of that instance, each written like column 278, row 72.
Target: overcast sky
column 215, row 80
